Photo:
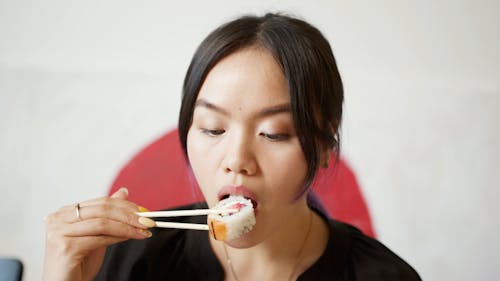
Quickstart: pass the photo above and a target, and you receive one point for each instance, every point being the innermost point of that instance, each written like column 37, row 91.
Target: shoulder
column 160, row 257
column 367, row 258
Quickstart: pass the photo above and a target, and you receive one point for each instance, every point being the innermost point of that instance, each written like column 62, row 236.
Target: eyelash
column 213, row 133
column 270, row 137
column 275, row 137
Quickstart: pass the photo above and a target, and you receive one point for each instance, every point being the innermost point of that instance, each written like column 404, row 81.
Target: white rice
column 238, row 223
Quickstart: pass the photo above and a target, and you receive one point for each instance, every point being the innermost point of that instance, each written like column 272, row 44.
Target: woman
column 260, row 114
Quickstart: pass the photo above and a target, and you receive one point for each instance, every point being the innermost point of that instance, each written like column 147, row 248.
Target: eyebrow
column 268, row 111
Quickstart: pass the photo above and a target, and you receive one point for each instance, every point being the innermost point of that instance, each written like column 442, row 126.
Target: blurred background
column 84, row 85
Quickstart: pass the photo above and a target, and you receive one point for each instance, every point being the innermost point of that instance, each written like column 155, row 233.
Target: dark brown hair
column 307, row 61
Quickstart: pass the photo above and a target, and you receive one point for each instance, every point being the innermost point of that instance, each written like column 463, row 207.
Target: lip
column 238, row 190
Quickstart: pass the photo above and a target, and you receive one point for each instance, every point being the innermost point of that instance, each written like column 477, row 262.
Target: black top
column 173, row 254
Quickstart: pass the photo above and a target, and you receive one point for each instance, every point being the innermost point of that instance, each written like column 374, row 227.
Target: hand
column 75, row 246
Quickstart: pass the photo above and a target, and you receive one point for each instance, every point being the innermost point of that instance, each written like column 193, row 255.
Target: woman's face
column 242, row 140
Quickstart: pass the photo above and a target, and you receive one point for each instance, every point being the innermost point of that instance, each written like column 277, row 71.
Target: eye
column 212, row 132
column 275, row 137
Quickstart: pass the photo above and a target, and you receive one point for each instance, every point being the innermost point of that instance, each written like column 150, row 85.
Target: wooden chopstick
column 182, row 213
column 180, row 225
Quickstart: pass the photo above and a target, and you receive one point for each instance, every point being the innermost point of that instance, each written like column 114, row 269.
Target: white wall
column 85, row 84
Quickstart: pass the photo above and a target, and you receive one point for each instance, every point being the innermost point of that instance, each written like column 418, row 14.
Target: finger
column 103, row 227
column 103, row 200
column 95, row 242
column 121, row 193
column 105, row 211
column 68, row 213
column 86, row 244
column 80, row 246
column 111, row 200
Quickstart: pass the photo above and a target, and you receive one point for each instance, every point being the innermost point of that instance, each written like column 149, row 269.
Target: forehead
column 247, row 80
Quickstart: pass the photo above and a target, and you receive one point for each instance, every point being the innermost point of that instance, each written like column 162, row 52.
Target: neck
column 289, row 251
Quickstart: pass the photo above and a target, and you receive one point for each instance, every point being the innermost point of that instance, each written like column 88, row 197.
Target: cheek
column 194, row 146
column 287, row 170
column 202, row 164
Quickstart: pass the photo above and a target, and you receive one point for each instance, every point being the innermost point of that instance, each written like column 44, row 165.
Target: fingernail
column 142, row 209
column 145, row 232
column 147, row 222
column 124, row 189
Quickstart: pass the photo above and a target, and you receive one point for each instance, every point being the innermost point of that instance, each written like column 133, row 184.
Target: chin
column 245, row 241
column 248, row 240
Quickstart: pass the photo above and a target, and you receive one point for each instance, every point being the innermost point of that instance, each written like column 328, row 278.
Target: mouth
column 241, row 190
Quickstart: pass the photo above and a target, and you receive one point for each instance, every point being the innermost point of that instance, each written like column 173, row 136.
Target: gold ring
column 77, row 209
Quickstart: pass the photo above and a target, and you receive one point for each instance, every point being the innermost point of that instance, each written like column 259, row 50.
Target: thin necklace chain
column 299, row 254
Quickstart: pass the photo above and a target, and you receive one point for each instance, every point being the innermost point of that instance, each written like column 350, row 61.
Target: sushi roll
column 229, row 226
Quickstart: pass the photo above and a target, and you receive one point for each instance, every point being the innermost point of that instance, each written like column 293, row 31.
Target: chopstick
column 180, row 225
column 183, row 213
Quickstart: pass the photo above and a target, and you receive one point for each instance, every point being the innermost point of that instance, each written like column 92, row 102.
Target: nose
column 240, row 157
